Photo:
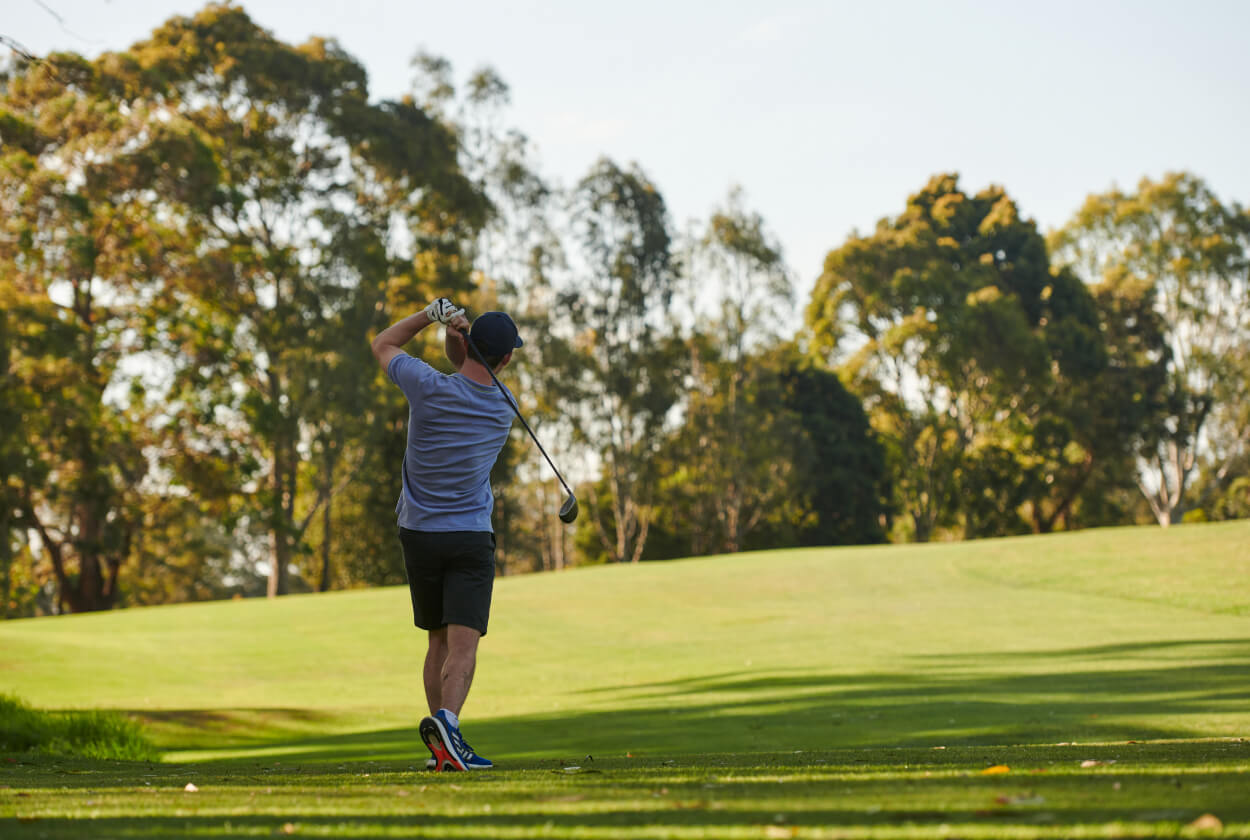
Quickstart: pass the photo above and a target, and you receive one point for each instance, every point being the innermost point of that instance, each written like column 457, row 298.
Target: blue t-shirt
column 456, row 428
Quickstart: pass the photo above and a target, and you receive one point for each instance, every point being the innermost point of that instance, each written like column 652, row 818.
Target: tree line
column 202, row 233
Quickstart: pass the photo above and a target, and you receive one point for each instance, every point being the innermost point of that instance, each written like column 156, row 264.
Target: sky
column 827, row 114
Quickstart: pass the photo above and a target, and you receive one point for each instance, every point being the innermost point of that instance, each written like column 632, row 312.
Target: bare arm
column 390, row 342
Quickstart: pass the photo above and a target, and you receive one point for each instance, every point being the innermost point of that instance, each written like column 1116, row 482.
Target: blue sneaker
column 450, row 750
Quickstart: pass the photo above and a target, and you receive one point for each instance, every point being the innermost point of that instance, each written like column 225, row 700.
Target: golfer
column 457, row 424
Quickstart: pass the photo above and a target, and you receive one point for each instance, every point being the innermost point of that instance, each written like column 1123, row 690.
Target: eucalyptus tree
column 741, row 280
column 624, row 371
column 93, row 184
column 1192, row 251
column 950, row 325
column 235, row 208
column 325, row 209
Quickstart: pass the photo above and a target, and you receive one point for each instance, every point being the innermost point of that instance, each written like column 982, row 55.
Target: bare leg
column 435, row 657
column 458, row 666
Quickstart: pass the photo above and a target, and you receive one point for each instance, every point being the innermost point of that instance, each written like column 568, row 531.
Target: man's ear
column 503, row 363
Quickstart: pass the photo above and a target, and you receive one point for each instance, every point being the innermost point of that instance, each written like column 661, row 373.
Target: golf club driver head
column 568, row 510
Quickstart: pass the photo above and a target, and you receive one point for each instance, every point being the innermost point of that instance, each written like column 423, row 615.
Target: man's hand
column 443, row 311
column 453, row 343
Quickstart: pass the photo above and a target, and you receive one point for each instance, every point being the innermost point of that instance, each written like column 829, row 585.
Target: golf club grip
column 482, row 360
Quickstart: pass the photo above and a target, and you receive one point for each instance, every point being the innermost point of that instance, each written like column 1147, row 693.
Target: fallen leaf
column 1208, row 822
column 996, row 770
column 190, row 788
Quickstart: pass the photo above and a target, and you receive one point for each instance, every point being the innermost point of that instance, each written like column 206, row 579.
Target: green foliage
column 1190, row 253
column 225, row 209
column 84, row 239
column 840, row 491
column 727, row 478
column 95, row 735
column 969, row 353
column 774, row 452
column 625, row 370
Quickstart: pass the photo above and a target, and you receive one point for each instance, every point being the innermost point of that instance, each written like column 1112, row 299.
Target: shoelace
column 462, row 745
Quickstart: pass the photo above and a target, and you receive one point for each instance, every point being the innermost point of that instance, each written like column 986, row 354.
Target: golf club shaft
column 482, row 360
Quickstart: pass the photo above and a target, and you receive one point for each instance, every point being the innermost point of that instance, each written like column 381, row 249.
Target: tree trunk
column 6, row 556
column 325, row 548
column 279, row 541
column 327, row 499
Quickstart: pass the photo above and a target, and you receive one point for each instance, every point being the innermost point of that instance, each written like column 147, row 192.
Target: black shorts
column 450, row 575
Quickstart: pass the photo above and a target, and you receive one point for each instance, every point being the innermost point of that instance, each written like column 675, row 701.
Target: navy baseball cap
column 495, row 334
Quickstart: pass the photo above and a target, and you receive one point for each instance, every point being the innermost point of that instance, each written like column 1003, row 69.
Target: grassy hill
column 1092, row 635
column 944, row 656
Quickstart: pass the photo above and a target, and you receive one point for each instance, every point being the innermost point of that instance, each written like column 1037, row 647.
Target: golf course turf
column 1091, row 684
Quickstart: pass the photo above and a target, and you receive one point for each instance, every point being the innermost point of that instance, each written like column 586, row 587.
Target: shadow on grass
column 734, row 753
column 715, row 796
column 215, row 728
column 943, row 703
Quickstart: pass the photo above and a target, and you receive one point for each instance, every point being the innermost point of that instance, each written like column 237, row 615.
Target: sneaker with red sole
column 449, row 749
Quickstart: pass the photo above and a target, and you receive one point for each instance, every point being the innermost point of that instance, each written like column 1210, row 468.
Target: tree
column 624, row 372
column 234, row 212
column 840, row 493
column 1177, row 238
column 743, row 269
column 950, row 325
column 81, row 167
column 318, row 197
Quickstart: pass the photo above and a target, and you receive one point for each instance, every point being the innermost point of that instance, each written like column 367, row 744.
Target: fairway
column 1102, row 677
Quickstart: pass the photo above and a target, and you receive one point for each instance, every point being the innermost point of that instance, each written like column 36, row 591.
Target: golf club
column 568, row 510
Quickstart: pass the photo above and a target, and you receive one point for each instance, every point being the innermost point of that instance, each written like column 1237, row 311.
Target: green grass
column 89, row 734
column 813, row 693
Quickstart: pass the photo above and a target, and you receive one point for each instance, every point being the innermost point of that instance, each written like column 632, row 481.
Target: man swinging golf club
column 457, row 424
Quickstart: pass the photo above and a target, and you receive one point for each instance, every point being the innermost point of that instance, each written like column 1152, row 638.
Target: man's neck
column 475, row 371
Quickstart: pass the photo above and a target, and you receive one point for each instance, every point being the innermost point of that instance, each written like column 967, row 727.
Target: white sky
column 827, row 113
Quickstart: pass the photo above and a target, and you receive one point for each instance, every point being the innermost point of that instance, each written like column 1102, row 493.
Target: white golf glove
column 443, row 311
